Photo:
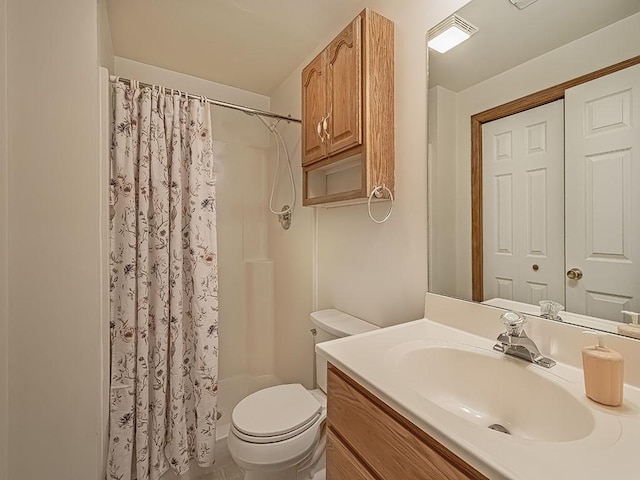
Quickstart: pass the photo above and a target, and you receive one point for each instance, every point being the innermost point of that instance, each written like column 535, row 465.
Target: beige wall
column 104, row 142
column 105, row 45
column 341, row 259
column 54, row 241
column 378, row 272
column 292, row 252
column 605, row 47
column 241, row 148
column 4, row 298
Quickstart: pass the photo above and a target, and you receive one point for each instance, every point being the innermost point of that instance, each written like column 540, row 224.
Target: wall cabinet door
column 314, row 110
column 344, row 87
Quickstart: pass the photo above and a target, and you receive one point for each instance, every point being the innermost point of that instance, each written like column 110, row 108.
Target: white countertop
column 611, row 451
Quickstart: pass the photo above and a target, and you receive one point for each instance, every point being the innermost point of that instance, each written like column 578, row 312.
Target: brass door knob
column 574, row 274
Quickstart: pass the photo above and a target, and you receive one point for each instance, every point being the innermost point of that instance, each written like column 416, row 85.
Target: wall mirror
column 534, row 163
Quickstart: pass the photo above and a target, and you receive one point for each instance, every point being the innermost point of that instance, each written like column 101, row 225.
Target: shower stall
column 243, row 149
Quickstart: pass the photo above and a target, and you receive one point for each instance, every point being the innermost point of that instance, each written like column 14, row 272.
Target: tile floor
column 226, row 472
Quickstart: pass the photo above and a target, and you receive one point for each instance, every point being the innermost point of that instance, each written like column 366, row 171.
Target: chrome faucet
column 515, row 341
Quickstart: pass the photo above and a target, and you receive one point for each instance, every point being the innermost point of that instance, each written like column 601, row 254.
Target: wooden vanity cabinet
column 368, row 440
column 344, row 465
column 348, row 109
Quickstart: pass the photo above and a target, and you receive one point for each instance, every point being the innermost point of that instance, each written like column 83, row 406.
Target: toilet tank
column 331, row 324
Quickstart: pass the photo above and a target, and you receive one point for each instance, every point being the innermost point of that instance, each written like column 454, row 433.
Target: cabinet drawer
column 341, row 463
column 388, row 443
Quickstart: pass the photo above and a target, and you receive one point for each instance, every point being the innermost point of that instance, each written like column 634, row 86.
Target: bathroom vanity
column 427, row 400
column 400, row 450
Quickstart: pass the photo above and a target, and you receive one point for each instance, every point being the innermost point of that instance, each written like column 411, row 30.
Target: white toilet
column 278, row 433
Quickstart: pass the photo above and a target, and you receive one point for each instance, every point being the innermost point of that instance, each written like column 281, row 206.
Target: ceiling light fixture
column 522, row 4
column 450, row 32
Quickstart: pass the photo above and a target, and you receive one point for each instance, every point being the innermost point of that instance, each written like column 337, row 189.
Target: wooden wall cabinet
column 368, row 440
column 348, row 113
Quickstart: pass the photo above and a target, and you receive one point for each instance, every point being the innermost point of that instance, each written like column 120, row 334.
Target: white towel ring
column 377, row 191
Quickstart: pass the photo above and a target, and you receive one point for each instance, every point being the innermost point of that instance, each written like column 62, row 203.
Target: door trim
column 533, row 100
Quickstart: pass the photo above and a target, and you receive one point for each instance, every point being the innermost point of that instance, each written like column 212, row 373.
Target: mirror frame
column 533, row 100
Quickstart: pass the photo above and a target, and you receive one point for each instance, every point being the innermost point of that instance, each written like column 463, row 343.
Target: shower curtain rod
column 233, row 106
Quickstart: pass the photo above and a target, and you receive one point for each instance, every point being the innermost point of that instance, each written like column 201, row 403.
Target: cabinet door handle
column 325, row 125
column 319, row 129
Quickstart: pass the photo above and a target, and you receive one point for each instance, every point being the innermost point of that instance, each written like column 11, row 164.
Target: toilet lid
column 275, row 411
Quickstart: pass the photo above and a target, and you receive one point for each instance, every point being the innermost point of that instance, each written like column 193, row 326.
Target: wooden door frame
column 528, row 102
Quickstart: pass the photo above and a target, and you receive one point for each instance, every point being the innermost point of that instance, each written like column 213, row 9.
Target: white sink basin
column 487, row 389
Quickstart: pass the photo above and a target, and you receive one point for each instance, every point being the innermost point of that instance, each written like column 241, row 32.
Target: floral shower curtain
column 164, row 285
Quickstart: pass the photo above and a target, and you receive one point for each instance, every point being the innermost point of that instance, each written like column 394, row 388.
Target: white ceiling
column 249, row 44
column 256, row 44
column 509, row 37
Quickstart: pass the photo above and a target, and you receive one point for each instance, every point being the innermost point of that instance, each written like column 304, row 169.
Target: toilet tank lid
column 339, row 323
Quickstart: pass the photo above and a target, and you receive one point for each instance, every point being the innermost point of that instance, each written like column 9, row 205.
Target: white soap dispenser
column 603, row 372
column 630, row 329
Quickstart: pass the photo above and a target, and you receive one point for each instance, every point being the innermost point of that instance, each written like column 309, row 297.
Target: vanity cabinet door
column 341, row 464
column 314, row 110
column 344, row 68
column 388, row 444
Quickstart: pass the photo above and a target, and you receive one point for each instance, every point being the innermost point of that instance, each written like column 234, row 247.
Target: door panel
column 607, row 199
column 344, row 66
column 314, row 109
column 603, row 172
column 522, row 188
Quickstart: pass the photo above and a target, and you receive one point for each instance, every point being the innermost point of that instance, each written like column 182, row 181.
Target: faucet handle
column 514, row 321
column 550, row 309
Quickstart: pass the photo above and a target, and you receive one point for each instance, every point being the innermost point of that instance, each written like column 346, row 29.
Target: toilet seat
column 275, row 414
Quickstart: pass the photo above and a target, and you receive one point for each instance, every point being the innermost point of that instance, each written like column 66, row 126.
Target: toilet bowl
column 278, row 433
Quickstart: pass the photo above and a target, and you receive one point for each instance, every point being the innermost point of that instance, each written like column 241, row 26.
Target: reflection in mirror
column 533, row 160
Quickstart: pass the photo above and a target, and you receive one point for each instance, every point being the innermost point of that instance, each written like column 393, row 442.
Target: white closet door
column 523, row 205
column 603, row 194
